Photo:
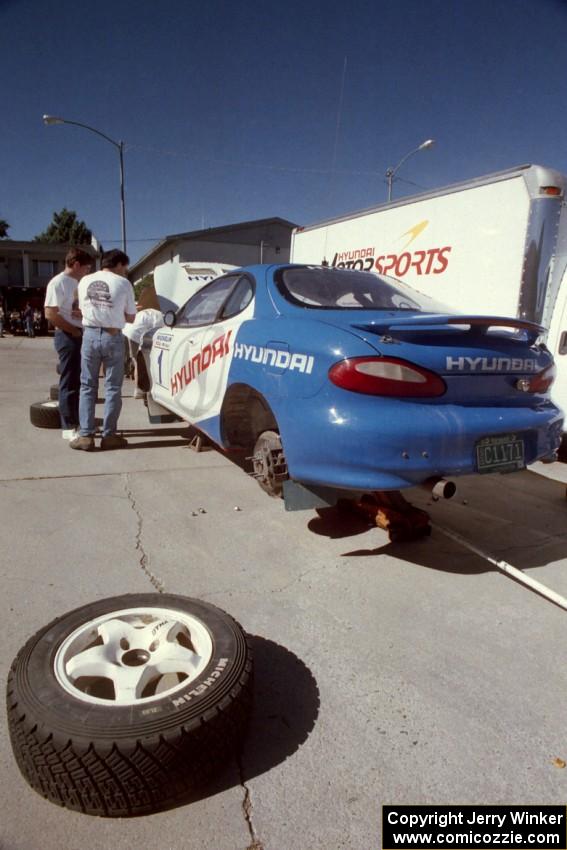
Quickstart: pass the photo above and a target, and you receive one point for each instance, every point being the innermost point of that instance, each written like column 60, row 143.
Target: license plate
column 504, row 453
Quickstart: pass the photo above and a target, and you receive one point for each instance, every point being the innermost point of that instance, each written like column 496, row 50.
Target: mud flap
column 300, row 497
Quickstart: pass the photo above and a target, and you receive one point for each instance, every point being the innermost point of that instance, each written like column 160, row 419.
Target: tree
column 4, row 227
column 145, row 293
column 66, row 229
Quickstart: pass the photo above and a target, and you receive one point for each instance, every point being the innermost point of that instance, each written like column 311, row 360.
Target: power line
column 104, row 241
column 339, row 115
column 240, row 164
column 410, row 183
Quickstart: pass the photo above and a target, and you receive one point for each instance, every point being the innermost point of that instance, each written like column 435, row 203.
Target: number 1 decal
column 160, row 358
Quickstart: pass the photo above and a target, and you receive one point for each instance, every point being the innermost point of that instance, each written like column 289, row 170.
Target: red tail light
column 539, row 383
column 386, row 376
column 550, row 190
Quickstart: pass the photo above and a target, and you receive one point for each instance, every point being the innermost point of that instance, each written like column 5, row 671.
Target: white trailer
column 494, row 245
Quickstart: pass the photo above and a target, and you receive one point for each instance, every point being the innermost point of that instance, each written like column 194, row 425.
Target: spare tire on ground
column 45, row 414
column 128, row 705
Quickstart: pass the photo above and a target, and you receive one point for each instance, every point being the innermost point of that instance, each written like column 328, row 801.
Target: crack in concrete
column 231, row 591
column 99, row 474
column 256, row 844
column 61, row 477
column 144, row 560
column 299, row 578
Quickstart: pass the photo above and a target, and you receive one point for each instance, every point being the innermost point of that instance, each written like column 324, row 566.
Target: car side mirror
column 169, row 318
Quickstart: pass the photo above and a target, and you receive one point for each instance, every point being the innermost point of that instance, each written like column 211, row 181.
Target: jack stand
column 200, row 443
column 389, row 510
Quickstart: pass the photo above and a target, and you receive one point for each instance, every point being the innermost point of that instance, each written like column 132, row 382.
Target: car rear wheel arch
column 245, row 415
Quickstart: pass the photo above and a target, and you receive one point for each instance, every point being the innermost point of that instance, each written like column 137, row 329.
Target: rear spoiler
column 426, row 321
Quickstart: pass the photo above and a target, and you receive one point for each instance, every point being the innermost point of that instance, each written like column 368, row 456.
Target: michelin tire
column 129, row 705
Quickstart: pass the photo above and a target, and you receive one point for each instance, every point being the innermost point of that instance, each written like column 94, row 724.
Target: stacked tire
column 45, row 414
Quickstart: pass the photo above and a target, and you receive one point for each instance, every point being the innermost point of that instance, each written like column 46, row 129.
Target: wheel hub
column 135, row 657
column 270, row 465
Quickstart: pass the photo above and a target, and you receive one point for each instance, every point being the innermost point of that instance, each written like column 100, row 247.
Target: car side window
column 203, row 308
column 239, row 299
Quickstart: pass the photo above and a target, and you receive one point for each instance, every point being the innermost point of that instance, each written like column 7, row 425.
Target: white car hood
column 175, row 282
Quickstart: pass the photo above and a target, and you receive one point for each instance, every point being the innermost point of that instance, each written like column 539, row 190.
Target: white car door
column 183, row 357
column 217, row 349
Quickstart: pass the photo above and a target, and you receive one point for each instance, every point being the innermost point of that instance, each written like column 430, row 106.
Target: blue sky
column 244, row 110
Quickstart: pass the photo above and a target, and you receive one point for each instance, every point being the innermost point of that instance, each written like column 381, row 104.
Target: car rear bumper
column 365, row 446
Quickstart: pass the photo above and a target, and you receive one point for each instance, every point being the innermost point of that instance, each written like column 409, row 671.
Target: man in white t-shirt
column 62, row 310
column 147, row 321
column 106, row 300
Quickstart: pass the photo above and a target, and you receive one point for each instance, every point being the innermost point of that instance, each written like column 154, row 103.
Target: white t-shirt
column 146, row 320
column 104, row 298
column 61, row 292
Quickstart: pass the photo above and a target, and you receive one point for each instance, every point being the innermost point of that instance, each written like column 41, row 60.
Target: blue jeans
column 69, row 350
column 100, row 347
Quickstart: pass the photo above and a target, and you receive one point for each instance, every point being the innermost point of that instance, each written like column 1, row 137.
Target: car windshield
column 343, row 289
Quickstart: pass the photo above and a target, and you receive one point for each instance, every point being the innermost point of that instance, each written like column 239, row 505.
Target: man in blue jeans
column 28, row 320
column 62, row 310
column 106, row 300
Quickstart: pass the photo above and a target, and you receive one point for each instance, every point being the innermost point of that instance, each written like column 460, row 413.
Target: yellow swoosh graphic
column 414, row 231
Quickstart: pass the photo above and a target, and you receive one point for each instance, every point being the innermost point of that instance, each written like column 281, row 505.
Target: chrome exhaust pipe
column 440, row 488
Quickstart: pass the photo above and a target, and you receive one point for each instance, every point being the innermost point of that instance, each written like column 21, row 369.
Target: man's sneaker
column 113, row 441
column 85, row 444
column 69, row 433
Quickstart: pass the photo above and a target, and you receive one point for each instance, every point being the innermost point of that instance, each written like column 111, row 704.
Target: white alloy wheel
column 133, row 655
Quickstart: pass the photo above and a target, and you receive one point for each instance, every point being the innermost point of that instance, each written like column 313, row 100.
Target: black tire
column 80, row 749
column 45, row 414
column 269, row 463
column 54, row 392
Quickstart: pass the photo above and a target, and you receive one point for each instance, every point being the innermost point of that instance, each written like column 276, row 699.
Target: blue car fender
column 281, row 361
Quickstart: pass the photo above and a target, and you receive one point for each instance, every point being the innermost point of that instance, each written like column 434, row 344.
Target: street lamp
column 52, row 119
column 392, row 171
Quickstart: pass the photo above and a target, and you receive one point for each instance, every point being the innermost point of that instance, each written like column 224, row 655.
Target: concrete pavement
column 385, row 673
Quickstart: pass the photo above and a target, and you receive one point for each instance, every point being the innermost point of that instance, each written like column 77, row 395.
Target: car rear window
column 343, row 289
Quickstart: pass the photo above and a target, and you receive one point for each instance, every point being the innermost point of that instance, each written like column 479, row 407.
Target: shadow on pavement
column 286, row 706
column 180, row 431
column 285, row 709
column 155, row 444
column 521, row 519
column 335, row 523
column 158, row 438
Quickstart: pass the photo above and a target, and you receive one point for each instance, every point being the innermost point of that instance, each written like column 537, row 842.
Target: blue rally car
column 339, row 380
